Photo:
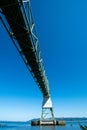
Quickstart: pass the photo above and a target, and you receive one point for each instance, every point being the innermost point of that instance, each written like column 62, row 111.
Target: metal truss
column 47, row 110
column 47, row 114
column 30, row 27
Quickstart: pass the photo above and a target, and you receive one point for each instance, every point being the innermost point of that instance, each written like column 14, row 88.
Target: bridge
column 17, row 18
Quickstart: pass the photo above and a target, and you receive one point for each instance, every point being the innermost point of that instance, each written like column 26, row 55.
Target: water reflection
column 47, row 127
column 43, row 128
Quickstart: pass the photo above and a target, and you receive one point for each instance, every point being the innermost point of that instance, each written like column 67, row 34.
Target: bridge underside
column 23, row 33
column 21, row 28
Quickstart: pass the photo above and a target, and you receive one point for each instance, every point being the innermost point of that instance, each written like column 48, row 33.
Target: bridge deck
column 12, row 11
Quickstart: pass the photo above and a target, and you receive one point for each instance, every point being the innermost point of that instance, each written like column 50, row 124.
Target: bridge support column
column 47, row 115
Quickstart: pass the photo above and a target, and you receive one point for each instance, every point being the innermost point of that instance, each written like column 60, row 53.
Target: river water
column 70, row 125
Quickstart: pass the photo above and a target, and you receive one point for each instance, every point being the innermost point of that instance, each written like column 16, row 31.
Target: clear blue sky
column 62, row 31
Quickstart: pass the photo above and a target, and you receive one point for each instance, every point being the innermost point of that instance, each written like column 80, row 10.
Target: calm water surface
column 70, row 125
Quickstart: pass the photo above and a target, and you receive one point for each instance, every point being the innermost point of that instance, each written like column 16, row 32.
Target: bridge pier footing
column 48, row 123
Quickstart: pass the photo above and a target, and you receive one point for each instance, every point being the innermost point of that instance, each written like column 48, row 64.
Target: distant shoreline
column 58, row 118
